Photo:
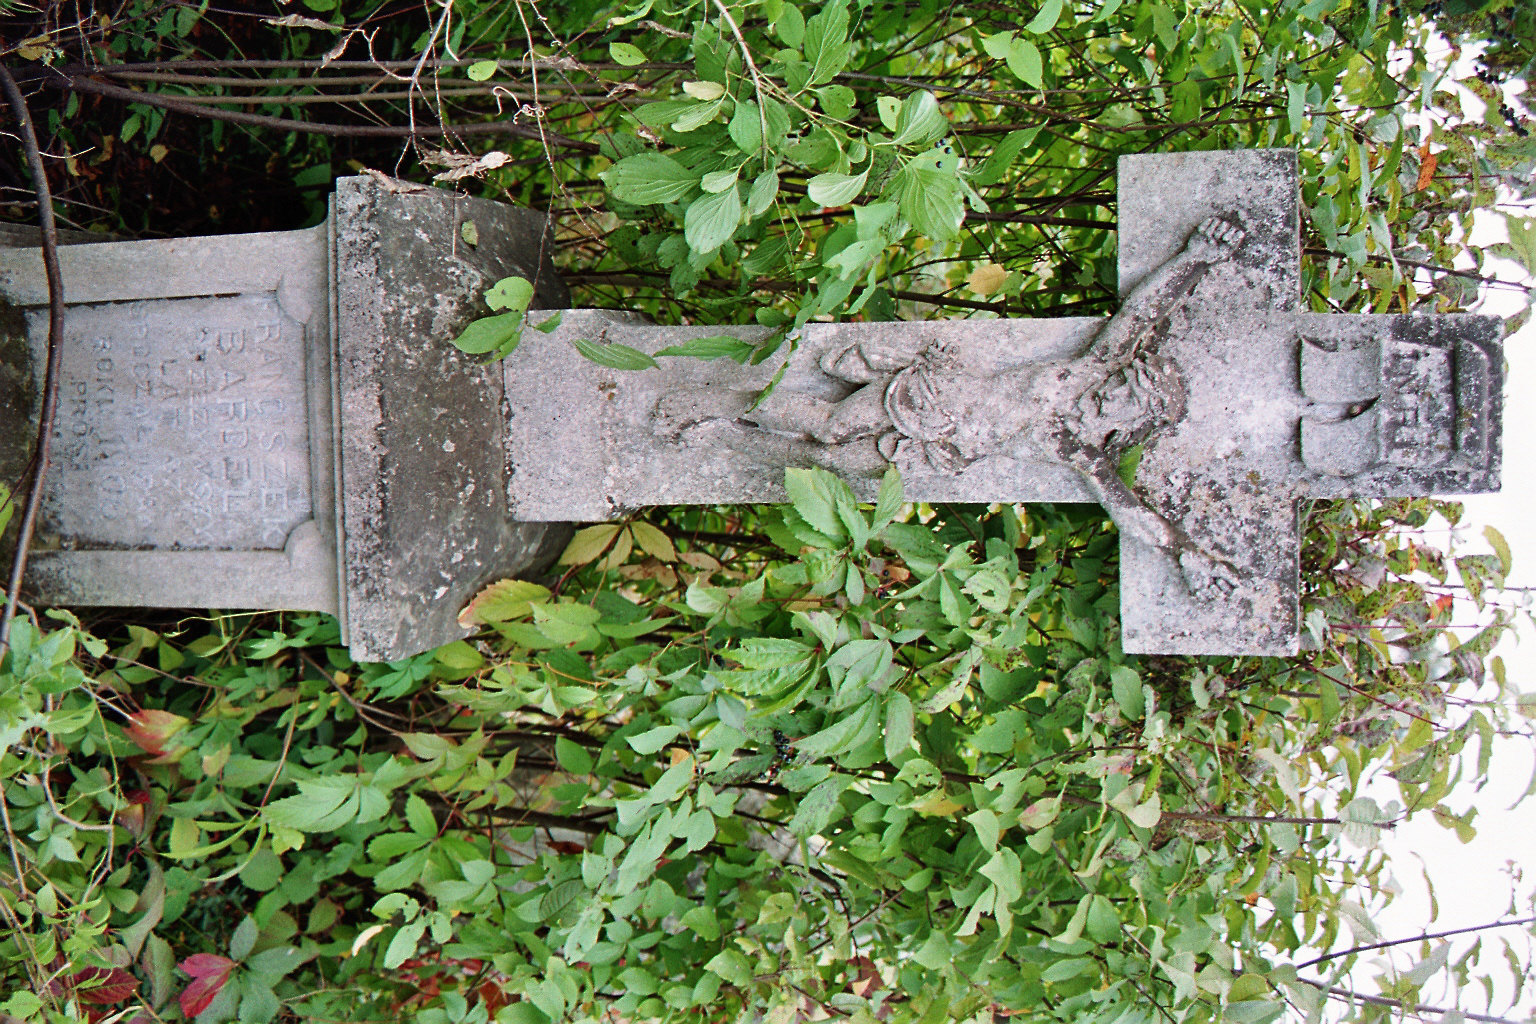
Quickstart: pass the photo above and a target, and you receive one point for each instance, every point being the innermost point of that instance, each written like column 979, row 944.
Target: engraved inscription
column 182, row 424
column 1417, row 422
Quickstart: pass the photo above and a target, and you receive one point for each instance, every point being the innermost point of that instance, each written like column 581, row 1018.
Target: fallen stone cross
column 1241, row 405
column 281, row 421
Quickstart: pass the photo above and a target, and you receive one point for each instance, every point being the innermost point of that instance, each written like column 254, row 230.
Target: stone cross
column 1241, row 405
column 279, row 420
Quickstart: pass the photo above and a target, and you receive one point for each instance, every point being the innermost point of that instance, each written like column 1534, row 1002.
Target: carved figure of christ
column 915, row 401
column 1243, row 404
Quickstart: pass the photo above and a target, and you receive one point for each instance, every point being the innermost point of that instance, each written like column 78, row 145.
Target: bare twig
column 204, row 109
column 1416, row 1009
column 1415, row 938
column 50, row 245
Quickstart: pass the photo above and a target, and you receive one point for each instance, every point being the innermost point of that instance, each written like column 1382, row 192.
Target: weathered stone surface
column 184, row 473
column 1238, row 403
column 421, row 426
column 206, row 393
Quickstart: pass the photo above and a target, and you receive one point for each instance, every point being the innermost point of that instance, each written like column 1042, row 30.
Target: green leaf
column 1003, row 154
column 711, row 220
column 718, row 181
column 995, row 46
column 481, row 70
column 826, row 42
column 323, row 804
column 746, row 127
column 789, row 25
column 491, row 334
column 652, row 740
column 243, row 939
column 835, row 189
column 889, row 500
column 647, row 178
column 930, row 198
column 899, row 725
column 920, row 123
column 1103, row 923
column 511, row 294
column 1130, row 462
column 404, row 943
column 1045, row 19
column 1500, row 548
column 1125, row 684
column 613, row 354
column 626, row 54
column 818, row 806
column 813, row 494
column 716, row 346
column 1024, row 61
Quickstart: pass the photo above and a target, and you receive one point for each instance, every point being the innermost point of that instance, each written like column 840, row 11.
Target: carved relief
column 921, row 409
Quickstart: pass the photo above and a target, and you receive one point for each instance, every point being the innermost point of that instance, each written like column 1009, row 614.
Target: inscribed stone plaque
column 181, row 425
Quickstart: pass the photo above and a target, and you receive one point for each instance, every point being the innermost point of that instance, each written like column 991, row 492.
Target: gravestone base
column 279, row 420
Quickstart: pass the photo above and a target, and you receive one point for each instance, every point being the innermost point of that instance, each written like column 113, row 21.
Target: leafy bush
column 884, row 763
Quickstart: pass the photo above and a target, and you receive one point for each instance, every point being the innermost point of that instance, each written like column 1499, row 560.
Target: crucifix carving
column 1240, row 406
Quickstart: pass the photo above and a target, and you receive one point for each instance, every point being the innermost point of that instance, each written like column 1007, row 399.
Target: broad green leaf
column 920, row 123
column 704, row 90
column 504, row 601
column 510, row 293
column 572, row 756
column 711, row 220
column 899, row 725
column 746, row 127
column 718, row 181
column 813, row 494
column 652, row 740
column 646, row 178
column 588, row 543
column 481, row 70
column 835, row 189
column 826, row 42
column 1125, row 684
column 626, row 54
column 1024, row 61
column 491, row 334
column 403, row 945
column 1045, row 19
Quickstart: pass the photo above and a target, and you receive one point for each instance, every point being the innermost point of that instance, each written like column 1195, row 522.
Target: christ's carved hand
column 1214, row 240
column 1208, row 579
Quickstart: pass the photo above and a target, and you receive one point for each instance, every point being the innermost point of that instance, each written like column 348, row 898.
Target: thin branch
column 50, row 244
column 1416, row 938
column 202, row 109
column 1417, row 1009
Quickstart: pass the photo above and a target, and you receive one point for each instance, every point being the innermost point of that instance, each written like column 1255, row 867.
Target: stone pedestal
column 279, row 420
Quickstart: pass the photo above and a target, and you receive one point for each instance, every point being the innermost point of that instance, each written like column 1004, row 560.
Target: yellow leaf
column 936, row 804
column 589, row 543
column 502, row 601
column 158, row 152
column 986, row 278
column 704, row 90
column 653, row 542
column 620, row 553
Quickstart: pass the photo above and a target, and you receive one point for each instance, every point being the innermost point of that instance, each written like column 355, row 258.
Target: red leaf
column 208, row 973
column 151, row 729
column 103, row 986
